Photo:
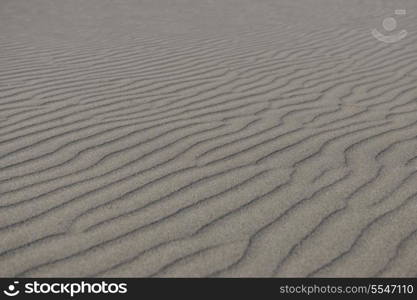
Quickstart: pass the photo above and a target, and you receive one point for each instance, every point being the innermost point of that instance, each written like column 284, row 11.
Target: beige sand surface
column 207, row 138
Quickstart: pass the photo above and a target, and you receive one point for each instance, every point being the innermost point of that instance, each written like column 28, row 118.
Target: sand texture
column 207, row 138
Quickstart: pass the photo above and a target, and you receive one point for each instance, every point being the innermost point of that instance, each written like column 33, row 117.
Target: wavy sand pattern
column 207, row 138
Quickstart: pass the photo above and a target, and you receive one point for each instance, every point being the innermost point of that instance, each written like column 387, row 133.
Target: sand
column 207, row 138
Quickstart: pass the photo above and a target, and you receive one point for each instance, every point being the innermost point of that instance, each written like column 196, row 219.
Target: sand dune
column 207, row 138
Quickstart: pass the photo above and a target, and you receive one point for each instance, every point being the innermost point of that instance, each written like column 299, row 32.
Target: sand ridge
column 207, row 138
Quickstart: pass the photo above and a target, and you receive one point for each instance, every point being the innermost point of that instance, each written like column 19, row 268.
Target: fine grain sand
column 207, row 138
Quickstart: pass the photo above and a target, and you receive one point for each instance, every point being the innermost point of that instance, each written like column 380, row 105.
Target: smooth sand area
column 229, row 138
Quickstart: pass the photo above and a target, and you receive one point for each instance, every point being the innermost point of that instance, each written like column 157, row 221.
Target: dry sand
column 207, row 138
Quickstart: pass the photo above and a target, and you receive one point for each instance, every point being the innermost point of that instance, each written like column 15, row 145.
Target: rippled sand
column 207, row 138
